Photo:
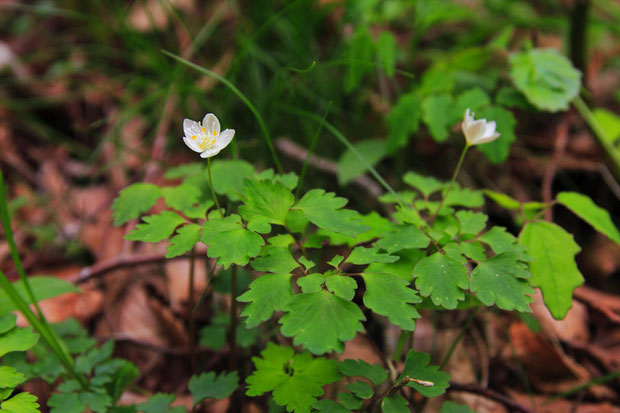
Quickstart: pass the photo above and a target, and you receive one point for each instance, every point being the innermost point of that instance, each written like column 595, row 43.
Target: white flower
column 206, row 137
column 478, row 131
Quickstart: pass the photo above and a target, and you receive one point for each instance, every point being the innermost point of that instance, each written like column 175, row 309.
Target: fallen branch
column 489, row 394
column 102, row 268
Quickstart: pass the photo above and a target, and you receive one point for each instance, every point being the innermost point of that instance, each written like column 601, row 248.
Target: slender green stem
column 458, row 338
column 39, row 323
column 191, row 330
column 240, row 95
column 315, row 139
column 598, row 130
column 232, row 335
column 450, row 185
column 400, row 345
column 217, row 204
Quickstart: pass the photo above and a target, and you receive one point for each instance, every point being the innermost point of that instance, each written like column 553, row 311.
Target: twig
column 489, row 394
column 292, row 150
column 104, row 267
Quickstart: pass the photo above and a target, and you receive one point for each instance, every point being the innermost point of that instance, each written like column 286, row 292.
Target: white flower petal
column 475, row 130
column 191, row 128
column 488, row 138
column 211, row 123
column 210, row 152
column 192, row 144
column 225, row 137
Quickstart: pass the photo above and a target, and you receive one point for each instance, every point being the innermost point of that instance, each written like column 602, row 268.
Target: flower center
column 205, row 141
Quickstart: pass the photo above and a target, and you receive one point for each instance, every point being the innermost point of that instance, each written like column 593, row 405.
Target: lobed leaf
column 417, row 367
column 210, row 386
column 323, row 209
column 442, row 278
column 587, row 210
column 230, row 242
column 133, row 201
column 156, row 228
column 267, row 293
column 390, row 296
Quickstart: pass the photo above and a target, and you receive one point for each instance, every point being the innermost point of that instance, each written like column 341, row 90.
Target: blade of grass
column 577, row 389
column 315, row 139
column 241, row 96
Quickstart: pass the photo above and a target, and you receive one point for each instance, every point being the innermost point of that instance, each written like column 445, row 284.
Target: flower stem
column 191, row 329
column 451, row 184
column 232, row 337
column 217, row 204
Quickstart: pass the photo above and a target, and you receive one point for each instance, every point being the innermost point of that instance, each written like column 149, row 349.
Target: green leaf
column 229, row 242
column 510, row 97
column 266, row 201
column 360, row 368
column 311, row 283
column 17, row 339
column 267, row 293
column 391, row 296
column 403, row 237
column 210, row 386
column 43, row 287
column 323, row 209
column 442, row 278
column 501, row 241
column 587, row 210
column 416, row 367
column 501, row 280
column 546, row 78
column 472, row 99
column 276, row 260
column 464, row 197
column 185, row 170
column 363, row 255
column 554, row 269
column 472, row 249
column 95, row 356
column 335, row 261
column 359, row 49
column 451, row 407
column 157, row 403
column 306, row 262
column 7, row 322
column 350, row 401
column 296, row 380
column 350, row 167
column 610, row 122
column 386, row 51
column 361, row 389
column 427, row 185
column 341, row 285
column 471, row 222
column 403, row 268
column 133, row 201
column 99, row 403
column 10, row 377
column 404, row 120
column 395, row 404
column 434, row 110
column 376, row 224
column 180, row 197
column 156, row 227
column 329, row 406
column 20, row 403
column 66, row 403
column 185, row 239
column 229, row 175
column 498, row 150
column 306, row 321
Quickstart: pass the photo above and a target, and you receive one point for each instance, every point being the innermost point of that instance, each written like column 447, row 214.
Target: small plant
column 320, row 271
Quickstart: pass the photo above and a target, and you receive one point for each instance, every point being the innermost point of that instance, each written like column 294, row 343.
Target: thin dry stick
column 489, row 394
column 104, row 267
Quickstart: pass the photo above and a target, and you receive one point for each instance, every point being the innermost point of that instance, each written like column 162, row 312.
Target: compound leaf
column 230, row 242
column 210, row 386
column 156, row 228
column 554, row 269
column 20, row 403
column 363, row 255
column 296, row 380
column 417, row 367
column 360, row 368
column 403, row 237
column 391, row 296
column 323, row 209
column 501, row 281
column 442, row 278
column 306, row 321
column 133, row 201
column 267, row 293
column 185, row 239
column 268, row 201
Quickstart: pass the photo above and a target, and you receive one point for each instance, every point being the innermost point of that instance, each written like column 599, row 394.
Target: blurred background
column 90, row 103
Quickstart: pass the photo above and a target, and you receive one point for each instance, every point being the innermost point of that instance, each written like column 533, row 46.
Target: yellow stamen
column 213, row 141
column 201, row 146
column 214, row 133
column 204, row 130
column 194, row 137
